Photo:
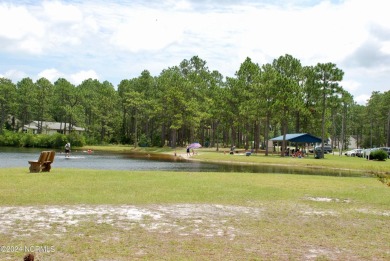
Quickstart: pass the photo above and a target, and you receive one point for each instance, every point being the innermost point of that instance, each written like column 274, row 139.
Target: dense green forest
column 189, row 102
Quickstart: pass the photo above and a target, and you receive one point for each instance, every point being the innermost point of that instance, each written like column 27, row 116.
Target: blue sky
column 116, row 40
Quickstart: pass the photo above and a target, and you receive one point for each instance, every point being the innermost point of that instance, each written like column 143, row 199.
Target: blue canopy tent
column 299, row 138
column 304, row 138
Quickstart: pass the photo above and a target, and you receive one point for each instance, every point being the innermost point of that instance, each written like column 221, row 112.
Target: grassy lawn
column 71, row 214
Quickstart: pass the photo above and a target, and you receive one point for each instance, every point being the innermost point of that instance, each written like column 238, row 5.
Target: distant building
column 51, row 127
column 353, row 142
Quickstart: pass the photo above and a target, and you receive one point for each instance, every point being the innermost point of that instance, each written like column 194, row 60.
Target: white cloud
column 20, row 29
column 15, row 75
column 80, row 76
column 46, row 28
column 146, row 29
column 385, row 47
column 16, row 22
column 51, row 74
column 180, row 5
column 350, row 86
column 59, row 12
column 362, row 99
column 76, row 78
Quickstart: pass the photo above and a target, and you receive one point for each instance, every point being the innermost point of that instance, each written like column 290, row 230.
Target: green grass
column 72, row 186
column 291, row 217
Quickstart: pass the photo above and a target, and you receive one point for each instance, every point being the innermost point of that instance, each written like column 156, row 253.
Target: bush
column 156, row 140
column 43, row 141
column 92, row 141
column 9, row 138
column 76, row 139
column 57, row 140
column 143, row 141
column 28, row 140
column 380, row 155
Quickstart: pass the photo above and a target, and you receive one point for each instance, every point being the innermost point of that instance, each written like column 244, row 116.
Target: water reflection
column 15, row 157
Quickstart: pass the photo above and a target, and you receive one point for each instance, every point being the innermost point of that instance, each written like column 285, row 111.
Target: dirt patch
column 184, row 219
column 206, row 231
column 325, row 199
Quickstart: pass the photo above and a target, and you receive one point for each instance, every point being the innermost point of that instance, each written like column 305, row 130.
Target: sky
column 117, row 40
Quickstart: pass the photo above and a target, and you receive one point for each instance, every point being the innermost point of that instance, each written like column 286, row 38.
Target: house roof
column 299, row 137
column 52, row 126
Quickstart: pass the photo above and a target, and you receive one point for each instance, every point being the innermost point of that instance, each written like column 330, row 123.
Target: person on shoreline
column 67, row 149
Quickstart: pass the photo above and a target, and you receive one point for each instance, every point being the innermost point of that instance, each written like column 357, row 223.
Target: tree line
column 189, row 102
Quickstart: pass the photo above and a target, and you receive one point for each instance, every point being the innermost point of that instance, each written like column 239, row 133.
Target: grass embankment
column 193, row 216
column 329, row 161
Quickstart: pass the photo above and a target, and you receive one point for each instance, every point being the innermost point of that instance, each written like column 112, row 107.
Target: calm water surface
column 17, row 157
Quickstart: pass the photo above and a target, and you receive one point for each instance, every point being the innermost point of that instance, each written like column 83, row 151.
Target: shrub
column 76, row 139
column 143, row 141
column 28, row 140
column 43, row 141
column 10, row 138
column 378, row 155
column 125, row 140
column 92, row 141
column 57, row 140
column 156, row 140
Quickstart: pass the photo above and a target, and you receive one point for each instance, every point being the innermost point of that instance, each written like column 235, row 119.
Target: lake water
column 16, row 157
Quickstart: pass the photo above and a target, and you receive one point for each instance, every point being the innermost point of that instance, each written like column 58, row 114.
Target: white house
column 51, row 127
column 353, row 142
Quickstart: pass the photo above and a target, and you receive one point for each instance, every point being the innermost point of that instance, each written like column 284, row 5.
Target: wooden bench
column 43, row 163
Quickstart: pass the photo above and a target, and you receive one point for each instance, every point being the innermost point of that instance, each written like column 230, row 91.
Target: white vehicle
column 353, row 153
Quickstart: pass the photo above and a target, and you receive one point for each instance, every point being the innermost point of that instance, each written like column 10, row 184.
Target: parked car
column 327, row 148
column 353, row 153
column 359, row 153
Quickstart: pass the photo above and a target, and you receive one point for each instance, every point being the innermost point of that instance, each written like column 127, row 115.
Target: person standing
column 67, row 149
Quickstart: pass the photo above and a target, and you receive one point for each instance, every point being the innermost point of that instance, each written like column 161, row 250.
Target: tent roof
column 299, row 137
